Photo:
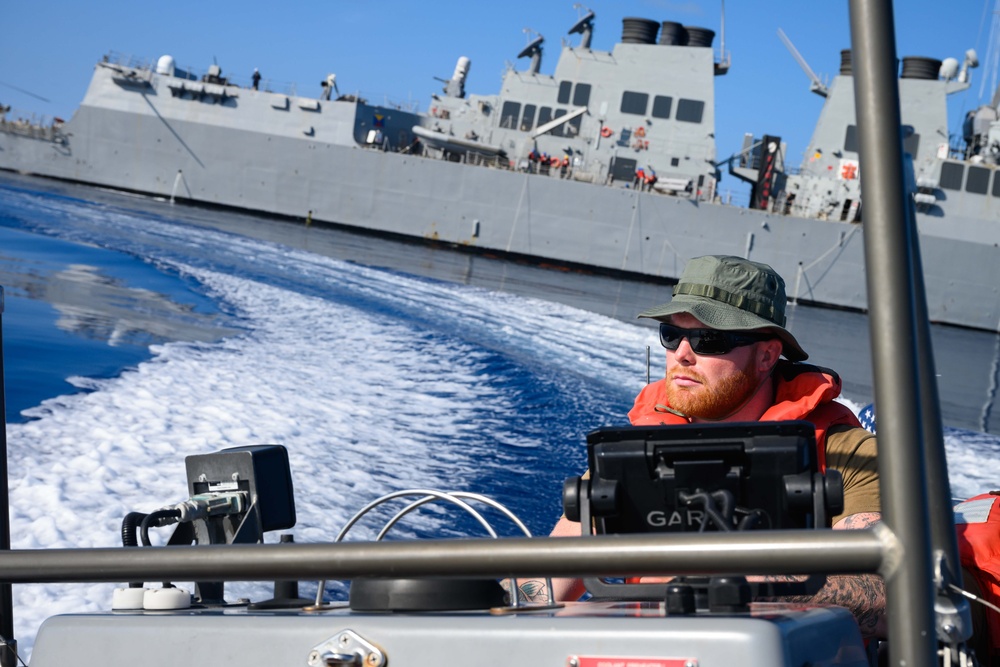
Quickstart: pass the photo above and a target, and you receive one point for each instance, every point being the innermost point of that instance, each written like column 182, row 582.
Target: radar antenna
column 585, row 26
column 534, row 50
column 817, row 86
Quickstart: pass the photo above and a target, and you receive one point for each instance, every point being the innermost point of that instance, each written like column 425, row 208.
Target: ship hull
column 310, row 163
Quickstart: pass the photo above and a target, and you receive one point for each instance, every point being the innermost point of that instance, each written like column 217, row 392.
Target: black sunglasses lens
column 665, row 337
column 670, row 336
column 702, row 341
column 712, row 342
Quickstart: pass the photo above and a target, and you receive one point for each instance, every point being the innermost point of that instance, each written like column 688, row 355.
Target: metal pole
column 8, row 645
column 939, row 498
column 751, row 552
column 888, row 260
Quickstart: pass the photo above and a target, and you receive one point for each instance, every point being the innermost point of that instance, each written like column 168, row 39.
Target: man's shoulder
column 848, row 436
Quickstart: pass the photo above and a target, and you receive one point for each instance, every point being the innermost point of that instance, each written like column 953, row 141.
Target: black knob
column 571, row 498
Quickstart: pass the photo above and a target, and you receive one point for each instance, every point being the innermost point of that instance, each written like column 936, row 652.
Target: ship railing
column 35, row 126
column 128, row 60
column 722, row 61
column 268, row 85
column 411, row 106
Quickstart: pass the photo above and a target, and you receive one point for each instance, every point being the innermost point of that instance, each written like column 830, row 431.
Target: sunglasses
column 707, row 341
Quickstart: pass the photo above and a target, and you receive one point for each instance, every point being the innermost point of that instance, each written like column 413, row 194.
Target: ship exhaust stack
column 456, row 86
column 917, row 67
column 639, row 31
column 702, row 37
column 672, row 34
column 846, row 63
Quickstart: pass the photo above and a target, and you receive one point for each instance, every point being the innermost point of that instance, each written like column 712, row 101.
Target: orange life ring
column 640, row 131
column 606, row 131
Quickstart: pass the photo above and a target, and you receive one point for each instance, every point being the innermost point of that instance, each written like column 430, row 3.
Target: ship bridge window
column 509, row 114
column 564, row 91
column 635, row 103
column 581, row 96
column 911, row 140
column 851, row 139
column 661, row 106
column 951, row 175
column 544, row 115
column 690, row 111
column 528, row 119
column 978, row 181
column 558, row 130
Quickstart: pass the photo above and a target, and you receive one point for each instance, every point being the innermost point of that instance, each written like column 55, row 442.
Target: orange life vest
column 977, row 525
column 802, row 391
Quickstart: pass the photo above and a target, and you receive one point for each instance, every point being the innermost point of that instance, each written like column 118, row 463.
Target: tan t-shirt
column 852, row 451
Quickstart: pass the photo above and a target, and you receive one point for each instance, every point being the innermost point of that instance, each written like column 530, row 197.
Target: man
column 724, row 334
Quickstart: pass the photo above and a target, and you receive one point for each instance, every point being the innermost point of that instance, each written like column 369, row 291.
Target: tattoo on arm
column 528, row 590
column 859, row 520
column 862, row 594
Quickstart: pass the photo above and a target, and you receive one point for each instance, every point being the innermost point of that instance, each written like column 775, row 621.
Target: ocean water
column 137, row 333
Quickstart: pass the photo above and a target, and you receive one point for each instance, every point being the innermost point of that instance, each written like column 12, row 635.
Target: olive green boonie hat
column 732, row 294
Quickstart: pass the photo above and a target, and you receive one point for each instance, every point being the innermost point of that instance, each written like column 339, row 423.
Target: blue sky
column 394, row 48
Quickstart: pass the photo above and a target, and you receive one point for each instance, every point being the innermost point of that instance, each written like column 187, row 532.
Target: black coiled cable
column 153, row 518
column 129, row 523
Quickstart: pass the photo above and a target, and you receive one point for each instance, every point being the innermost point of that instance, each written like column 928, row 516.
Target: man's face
column 712, row 386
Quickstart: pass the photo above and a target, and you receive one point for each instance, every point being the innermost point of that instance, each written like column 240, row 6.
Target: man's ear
column 768, row 353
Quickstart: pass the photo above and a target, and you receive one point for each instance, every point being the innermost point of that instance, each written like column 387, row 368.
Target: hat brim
column 726, row 318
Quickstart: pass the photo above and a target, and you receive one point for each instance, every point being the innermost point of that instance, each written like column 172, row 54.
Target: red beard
column 713, row 402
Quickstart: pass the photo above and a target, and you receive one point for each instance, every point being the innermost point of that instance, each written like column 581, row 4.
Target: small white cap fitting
column 127, row 598
column 166, row 598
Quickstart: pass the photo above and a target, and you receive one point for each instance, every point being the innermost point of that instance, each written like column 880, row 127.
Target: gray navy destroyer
column 608, row 163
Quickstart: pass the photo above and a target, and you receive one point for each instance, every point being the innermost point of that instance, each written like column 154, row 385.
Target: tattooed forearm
column 528, row 590
column 862, row 594
column 859, row 520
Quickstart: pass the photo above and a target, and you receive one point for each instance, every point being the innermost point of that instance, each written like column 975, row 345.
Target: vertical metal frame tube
column 7, row 658
column 890, row 233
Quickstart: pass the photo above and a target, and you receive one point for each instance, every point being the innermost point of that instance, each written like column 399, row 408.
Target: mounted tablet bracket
column 237, row 494
column 262, row 473
column 701, row 478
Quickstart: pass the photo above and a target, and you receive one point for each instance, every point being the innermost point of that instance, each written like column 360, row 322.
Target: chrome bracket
column 346, row 649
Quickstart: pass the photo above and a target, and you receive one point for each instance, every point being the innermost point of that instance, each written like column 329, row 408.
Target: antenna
column 722, row 66
column 817, row 86
column 584, row 26
column 722, row 30
column 533, row 50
